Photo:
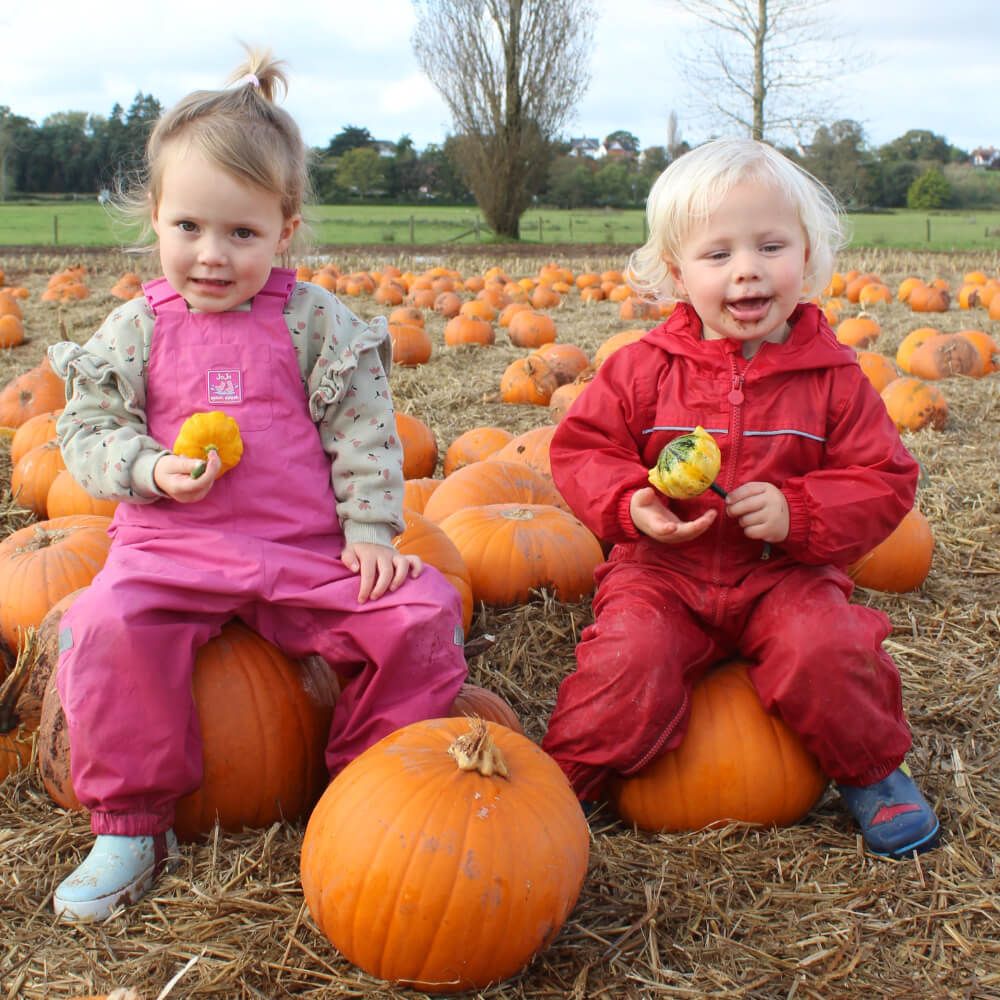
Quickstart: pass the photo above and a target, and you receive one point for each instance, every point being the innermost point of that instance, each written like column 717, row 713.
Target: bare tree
column 511, row 72
column 764, row 64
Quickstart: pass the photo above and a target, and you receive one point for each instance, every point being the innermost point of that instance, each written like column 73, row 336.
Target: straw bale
column 736, row 912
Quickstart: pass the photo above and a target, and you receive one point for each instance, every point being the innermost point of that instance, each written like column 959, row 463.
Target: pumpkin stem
column 476, row 751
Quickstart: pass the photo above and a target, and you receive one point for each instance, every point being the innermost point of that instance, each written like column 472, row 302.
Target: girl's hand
column 659, row 522
column 172, row 474
column 762, row 511
column 381, row 567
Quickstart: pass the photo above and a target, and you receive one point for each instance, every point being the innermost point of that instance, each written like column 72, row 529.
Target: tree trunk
column 759, row 89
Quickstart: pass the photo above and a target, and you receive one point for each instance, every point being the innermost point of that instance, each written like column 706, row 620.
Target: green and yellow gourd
column 687, row 466
column 203, row 433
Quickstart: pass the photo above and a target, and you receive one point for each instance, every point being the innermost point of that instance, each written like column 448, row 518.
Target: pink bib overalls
column 264, row 545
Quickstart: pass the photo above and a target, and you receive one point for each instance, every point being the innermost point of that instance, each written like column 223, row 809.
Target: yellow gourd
column 202, row 433
column 687, row 466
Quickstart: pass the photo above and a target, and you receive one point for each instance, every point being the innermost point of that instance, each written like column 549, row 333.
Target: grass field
column 70, row 224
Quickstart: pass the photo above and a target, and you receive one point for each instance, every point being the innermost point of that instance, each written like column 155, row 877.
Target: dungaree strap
column 276, row 290
column 160, row 295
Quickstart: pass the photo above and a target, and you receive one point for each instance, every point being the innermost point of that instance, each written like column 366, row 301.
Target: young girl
column 296, row 539
column 816, row 476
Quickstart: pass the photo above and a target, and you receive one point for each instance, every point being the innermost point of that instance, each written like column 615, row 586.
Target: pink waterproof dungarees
column 264, row 545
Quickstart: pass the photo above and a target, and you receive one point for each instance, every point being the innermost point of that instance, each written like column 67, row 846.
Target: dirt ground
column 731, row 912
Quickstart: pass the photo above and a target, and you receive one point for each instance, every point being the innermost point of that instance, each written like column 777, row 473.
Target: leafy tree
column 655, row 159
column 510, row 72
column 361, row 171
column 840, row 157
column 917, row 145
column 403, row 174
column 929, row 191
column 624, row 139
column 763, row 64
column 896, row 181
column 615, row 184
column 570, row 183
column 348, row 138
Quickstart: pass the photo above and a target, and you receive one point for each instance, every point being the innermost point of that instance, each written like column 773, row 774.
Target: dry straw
column 727, row 913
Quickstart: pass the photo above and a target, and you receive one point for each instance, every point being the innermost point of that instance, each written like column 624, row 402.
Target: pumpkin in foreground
column 736, row 762
column 445, row 856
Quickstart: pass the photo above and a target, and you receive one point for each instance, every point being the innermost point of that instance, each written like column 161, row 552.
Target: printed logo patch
column 225, row 385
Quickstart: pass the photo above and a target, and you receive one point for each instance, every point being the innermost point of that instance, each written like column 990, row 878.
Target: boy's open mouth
column 749, row 309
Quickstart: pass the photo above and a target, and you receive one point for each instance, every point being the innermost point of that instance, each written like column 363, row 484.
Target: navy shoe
column 589, row 807
column 894, row 817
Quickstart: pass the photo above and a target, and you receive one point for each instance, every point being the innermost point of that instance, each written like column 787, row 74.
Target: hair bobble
column 250, row 79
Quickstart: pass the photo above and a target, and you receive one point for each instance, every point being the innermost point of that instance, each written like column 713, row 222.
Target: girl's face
column 218, row 236
column 743, row 268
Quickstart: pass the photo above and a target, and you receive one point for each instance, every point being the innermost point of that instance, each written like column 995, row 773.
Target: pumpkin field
column 498, row 344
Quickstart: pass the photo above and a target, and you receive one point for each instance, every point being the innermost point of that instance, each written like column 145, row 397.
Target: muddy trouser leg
column 819, row 664
column 627, row 701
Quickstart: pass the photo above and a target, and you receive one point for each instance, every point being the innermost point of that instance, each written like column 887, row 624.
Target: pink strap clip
column 251, row 79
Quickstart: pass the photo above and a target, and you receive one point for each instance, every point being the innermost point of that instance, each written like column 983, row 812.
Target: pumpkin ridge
column 430, row 959
column 393, row 940
column 357, row 789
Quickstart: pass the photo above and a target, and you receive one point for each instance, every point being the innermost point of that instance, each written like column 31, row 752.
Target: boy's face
column 218, row 236
column 743, row 268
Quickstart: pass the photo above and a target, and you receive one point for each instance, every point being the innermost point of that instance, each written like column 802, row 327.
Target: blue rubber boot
column 118, row 871
column 894, row 817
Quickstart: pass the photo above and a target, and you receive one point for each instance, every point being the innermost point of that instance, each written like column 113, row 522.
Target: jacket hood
column 811, row 343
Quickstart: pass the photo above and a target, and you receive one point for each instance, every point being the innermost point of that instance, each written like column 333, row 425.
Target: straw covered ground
column 736, row 912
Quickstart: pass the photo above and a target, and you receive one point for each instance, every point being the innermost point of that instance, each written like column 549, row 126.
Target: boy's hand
column 652, row 518
column 172, row 474
column 761, row 510
column 381, row 567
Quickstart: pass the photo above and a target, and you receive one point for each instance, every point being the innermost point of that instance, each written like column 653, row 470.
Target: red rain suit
column 801, row 415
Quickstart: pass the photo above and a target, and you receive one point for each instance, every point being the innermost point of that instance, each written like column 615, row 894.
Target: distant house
column 591, row 148
column 384, row 148
column 616, row 151
column 986, row 158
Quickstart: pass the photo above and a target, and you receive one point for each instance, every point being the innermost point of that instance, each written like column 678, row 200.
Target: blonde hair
column 241, row 129
column 690, row 189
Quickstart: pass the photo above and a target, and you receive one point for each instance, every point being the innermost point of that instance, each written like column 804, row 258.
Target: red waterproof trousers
column 816, row 661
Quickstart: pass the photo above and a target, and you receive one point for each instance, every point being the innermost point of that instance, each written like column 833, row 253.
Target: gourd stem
column 476, row 751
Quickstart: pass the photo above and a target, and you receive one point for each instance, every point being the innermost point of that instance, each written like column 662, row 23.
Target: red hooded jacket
column 801, row 415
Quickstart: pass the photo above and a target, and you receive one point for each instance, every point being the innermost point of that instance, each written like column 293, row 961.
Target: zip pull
column 736, row 393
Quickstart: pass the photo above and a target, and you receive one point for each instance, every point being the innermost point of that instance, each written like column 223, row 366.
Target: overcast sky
column 923, row 64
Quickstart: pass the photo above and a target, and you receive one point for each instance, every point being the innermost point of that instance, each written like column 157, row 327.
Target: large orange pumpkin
column 514, row 548
column 411, row 343
column 490, row 481
column 420, row 450
column 530, row 448
column 33, row 475
column 425, row 539
column 66, row 496
column 34, row 431
column 528, row 380
column 945, row 355
column 42, row 563
column 473, row 446
column 911, row 342
column 565, row 360
column 265, row 723
column 38, row 390
column 736, row 762
column 902, row 561
column 446, row 856
column 914, row 404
